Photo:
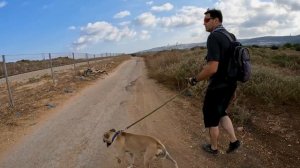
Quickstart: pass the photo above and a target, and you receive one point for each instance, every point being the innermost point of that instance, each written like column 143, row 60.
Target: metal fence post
column 87, row 57
column 74, row 64
column 52, row 74
column 11, row 102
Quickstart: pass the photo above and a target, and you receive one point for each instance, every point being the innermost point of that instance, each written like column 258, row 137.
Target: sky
column 126, row 26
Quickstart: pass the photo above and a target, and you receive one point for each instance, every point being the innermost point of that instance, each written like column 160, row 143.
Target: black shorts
column 216, row 101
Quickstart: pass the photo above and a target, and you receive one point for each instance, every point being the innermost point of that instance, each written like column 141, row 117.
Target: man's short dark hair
column 215, row 13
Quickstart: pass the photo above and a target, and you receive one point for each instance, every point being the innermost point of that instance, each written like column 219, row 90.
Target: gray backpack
column 239, row 66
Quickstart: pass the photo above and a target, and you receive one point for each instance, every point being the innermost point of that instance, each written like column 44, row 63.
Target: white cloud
column 289, row 4
column 146, row 19
column 122, row 14
column 246, row 19
column 149, row 2
column 145, row 35
column 125, row 23
column 253, row 18
column 176, row 21
column 101, row 31
column 186, row 16
column 3, row 4
column 164, row 7
column 72, row 28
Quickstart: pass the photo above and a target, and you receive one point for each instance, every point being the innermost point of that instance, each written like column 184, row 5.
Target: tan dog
column 134, row 144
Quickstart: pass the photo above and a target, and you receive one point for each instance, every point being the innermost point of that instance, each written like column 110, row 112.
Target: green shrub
column 271, row 87
column 291, row 62
column 287, row 45
column 32, row 80
column 274, row 47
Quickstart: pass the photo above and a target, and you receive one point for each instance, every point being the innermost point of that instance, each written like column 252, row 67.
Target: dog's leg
column 131, row 160
column 120, row 156
column 149, row 155
column 169, row 157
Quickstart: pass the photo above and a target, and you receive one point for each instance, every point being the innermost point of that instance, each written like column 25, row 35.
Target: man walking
column 220, row 89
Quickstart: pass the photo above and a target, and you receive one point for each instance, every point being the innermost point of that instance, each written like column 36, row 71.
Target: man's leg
column 234, row 144
column 214, row 134
column 212, row 148
column 226, row 123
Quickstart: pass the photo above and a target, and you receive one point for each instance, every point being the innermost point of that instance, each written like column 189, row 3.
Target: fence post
column 52, row 74
column 87, row 57
column 11, row 102
column 74, row 64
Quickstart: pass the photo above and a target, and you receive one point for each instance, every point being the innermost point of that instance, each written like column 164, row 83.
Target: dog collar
column 115, row 136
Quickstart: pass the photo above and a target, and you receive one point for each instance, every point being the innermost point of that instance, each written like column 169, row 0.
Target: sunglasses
column 206, row 20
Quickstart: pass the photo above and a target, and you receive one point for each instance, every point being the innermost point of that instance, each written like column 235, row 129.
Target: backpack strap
column 229, row 37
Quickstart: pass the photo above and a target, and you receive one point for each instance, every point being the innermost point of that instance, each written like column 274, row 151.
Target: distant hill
column 271, row 40
column 260, row 41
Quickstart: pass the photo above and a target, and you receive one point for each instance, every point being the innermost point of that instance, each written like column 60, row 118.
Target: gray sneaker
column 233, row 146
column 207, row 148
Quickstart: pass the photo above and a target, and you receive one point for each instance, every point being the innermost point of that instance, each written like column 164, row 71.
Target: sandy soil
column 71, row 134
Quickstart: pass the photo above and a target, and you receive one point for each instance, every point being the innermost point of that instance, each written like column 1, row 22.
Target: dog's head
column 108, row 137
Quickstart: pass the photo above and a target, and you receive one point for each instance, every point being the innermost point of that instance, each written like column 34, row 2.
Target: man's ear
column 113, row 130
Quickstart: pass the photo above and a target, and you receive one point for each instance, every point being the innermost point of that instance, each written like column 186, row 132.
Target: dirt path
column 72, row 137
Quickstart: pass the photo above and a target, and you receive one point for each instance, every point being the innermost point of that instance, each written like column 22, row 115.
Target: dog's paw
column 132, row 166
column 119, row 160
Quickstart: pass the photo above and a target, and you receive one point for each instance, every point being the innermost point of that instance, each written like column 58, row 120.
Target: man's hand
column 192, row 81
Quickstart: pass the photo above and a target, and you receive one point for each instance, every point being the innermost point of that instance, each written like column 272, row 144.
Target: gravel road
column 72, row 136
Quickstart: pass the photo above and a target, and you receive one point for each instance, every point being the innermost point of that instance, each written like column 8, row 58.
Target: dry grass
column 275, row 79
column 39, row 94
column 266, row 108
column 23, row 66
column 281, row 58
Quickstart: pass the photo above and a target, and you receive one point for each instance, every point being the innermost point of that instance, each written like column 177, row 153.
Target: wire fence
column 17, row 68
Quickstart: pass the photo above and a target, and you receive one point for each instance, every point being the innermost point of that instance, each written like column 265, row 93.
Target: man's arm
column 208, row 70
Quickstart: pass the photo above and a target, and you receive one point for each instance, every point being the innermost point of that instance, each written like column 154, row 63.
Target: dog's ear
column 113, row 130
column 106, row 135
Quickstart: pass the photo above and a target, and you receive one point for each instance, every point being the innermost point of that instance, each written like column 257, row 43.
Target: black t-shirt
column 217, row 47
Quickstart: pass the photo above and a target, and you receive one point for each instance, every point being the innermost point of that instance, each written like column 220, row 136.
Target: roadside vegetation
column 275, row 77
column 267, row 106
column 37, row 94
column 24, row 65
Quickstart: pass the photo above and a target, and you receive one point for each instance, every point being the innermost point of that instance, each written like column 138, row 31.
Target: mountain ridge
column 260, row 41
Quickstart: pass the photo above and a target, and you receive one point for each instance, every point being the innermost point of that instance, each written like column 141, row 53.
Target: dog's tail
column 169, row 157
column 164, row 154
column 161, row 150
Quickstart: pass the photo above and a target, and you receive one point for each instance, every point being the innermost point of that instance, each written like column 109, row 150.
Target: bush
column 297, row 48
column 286, row 61
column 287, row 45
column 271, row 87
column 267, row 84
column 274, row 47
column 172, row 68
